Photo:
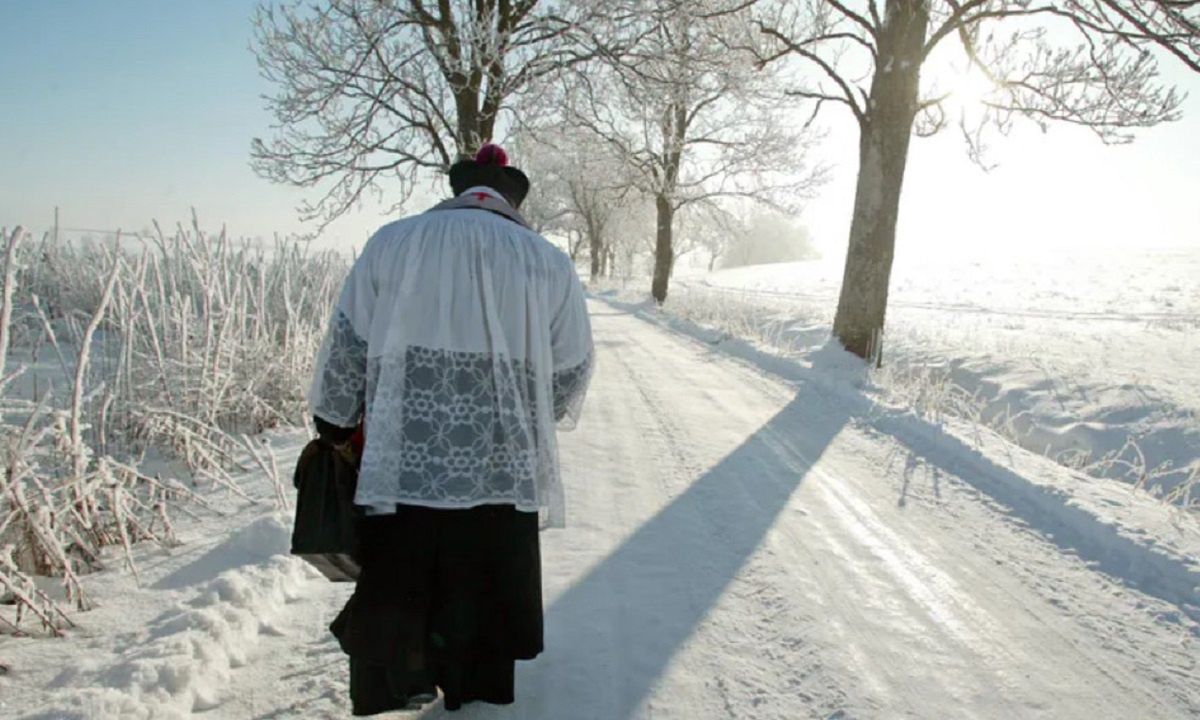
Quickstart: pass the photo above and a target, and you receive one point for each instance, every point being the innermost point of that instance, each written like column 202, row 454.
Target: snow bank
column 181, row 663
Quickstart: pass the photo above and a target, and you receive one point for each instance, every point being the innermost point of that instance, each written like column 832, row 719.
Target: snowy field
column 1088, row 357
column 757, row 528
column 746, row 539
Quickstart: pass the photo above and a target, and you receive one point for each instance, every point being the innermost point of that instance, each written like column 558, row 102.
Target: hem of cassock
column 376, row 501
column 448, row 597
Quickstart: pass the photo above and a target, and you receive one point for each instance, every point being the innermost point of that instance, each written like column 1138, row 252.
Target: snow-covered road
column 738, row 547
column 743, row 547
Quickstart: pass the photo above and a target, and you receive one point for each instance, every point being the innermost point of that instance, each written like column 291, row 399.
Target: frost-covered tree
column 375, row 92
column 581, row 183
column 1092, row 63
column 691, row 119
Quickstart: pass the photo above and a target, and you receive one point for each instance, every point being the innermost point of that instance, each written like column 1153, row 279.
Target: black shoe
column 420, row 700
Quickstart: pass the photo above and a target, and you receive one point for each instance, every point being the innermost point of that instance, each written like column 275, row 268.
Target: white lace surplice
column 462, row 336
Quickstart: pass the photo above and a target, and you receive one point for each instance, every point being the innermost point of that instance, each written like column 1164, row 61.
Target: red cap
column 491, row 154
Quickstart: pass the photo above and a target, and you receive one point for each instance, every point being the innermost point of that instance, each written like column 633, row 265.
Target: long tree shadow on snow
column 603, row 661
column 1048, row 511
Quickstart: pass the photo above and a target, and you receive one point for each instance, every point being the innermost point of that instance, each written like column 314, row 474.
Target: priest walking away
column 459, row 343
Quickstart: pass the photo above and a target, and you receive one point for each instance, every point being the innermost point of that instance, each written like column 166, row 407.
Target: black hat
column 490, row 169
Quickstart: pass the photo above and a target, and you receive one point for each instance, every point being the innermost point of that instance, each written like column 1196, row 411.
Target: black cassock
column 446, row 598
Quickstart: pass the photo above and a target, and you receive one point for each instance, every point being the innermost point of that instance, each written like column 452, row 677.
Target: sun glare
column 973, row 87
column 968, row 89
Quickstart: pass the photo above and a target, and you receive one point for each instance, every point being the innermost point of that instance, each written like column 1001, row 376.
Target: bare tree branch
column 371, row 95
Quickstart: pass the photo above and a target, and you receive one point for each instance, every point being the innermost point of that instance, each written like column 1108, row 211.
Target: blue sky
column 128, row 110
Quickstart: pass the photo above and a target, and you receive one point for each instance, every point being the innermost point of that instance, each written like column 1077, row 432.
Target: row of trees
column 675, row 108
column 586, row 196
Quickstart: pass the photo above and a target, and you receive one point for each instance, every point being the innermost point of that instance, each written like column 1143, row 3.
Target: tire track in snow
column 682, row 617
column 682, row 468
column 916, row 585
column 953, row 612
column 924, row 583
column 1066, row 589
column 948, row 614
column 784, row 656
column 948, row 609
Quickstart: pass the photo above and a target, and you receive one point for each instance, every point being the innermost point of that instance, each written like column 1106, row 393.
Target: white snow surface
column 747, row 537
column 1084, row 351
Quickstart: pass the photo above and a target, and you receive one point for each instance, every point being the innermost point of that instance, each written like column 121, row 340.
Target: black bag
column 326, row 529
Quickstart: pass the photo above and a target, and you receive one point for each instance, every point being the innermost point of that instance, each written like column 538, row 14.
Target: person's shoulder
column 537, row 242
column 555, row 256
column 390, row 235
column 533, row 241
column 394, row 230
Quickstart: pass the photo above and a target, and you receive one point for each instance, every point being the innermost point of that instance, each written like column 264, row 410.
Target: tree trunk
column 596, row 248
column 664, row 256
column 475, row 125
column 573, row 245
column 886, row 129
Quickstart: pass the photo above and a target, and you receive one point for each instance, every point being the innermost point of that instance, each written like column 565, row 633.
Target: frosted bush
column 180, row 349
